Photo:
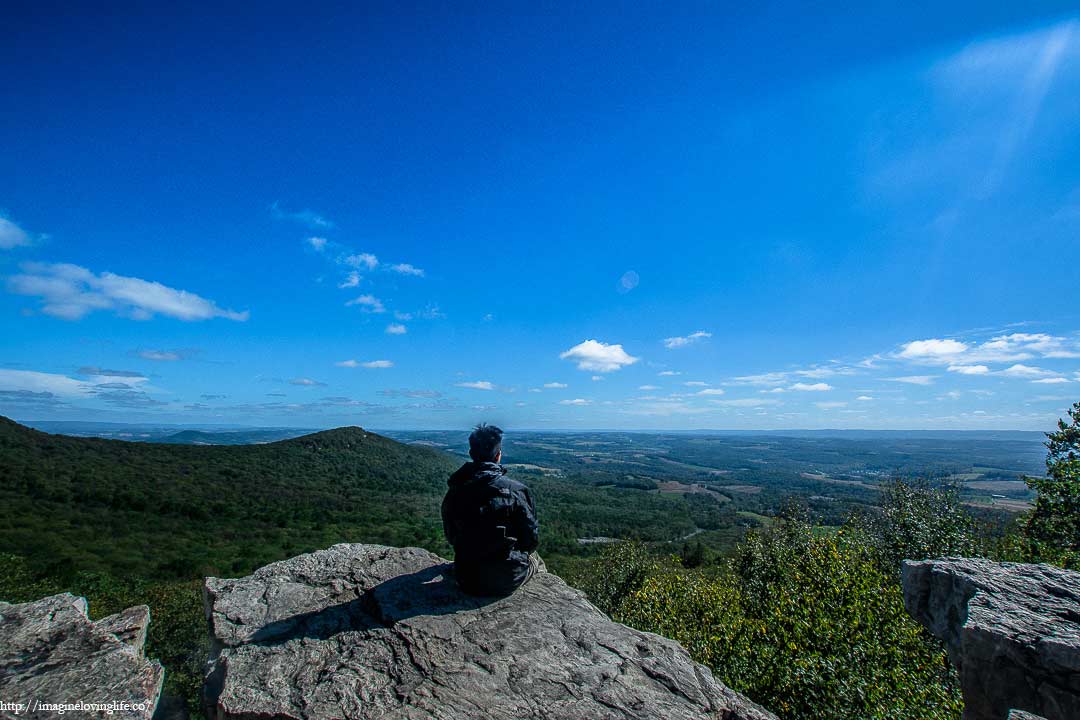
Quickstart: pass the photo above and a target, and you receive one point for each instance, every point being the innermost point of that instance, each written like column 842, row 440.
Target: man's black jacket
column 491, row 522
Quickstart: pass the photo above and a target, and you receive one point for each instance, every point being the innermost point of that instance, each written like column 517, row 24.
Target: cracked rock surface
column 1012, row 631
column 367, row 631
column 51, row 652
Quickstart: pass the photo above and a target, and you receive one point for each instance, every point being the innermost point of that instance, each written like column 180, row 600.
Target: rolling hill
column 179, row 511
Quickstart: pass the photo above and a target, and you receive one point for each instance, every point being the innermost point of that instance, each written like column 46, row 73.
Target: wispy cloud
column 407, row 269
column 914, row 379
column 306, row 382
column 12, row 236
column 370, row 364
column 1025, row 371
column 1023, row 66
column 40, row 382
column 576, row 401
column 361, row 260
column 165, row 355
column 351, row 280
column 406, row 393
column 309, row 218
column 110, row 372
column 596, row 356
column 810, row 388
column 367, row 303
column 318, row 243
column 396, row 329
column 70, row 292
column 747, row 402
column 555, row 385
column 676, row 342
column 476, row 385
column 969, row 369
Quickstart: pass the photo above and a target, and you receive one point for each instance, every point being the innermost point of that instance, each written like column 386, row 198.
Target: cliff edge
column 1012, row 631
column 367, row 631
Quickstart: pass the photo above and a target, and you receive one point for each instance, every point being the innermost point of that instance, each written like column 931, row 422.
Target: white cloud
column 676, row 342
column 932, row 349
column 319, row 243
column 648, row 387
column 368, row 303
column 407, row 269
column 668, row 373
column 969, row 369
column 535, row 390
column 596, row 378
column 365, row 260
column 695, row 383
column 30, row 381
column 555, row 385
column 576, row 401
column 306, row 382
column 374, row 364
column 1051, row 381
column 396, row 329
column 814, row 387
column 71, row 292
column 598, row 357
column 747, row 402
column 350, row 281
column 818, row 373
column 830, row 405
column 476, row 385
column 711, row 391
column 771, row 378
column 864, row 398
column 1025, row 371
column 914, row 379
column 11, row 235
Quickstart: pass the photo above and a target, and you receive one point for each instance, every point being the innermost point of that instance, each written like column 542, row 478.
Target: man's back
column 491, row 522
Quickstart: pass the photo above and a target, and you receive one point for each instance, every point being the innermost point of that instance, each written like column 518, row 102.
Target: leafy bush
column 805, row 623
column 917, row 521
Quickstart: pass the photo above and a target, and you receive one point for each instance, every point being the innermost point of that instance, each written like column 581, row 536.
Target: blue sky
column 621, row 217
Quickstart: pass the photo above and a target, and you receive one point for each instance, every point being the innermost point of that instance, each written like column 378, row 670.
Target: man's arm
column 526, row 528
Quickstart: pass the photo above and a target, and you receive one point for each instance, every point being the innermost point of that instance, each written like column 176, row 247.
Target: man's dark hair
column 485, row 442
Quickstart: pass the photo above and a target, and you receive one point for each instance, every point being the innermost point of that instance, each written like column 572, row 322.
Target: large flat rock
column 366, row 631
column 1011, row 629
column 51, row 652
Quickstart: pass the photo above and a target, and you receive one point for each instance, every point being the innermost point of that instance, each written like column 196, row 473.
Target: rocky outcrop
column 1012, row 631
column 366, row 631
column 51, row 653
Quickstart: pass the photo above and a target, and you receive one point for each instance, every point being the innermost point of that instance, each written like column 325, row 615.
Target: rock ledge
column 50, row 652
column 367, row 631
column 1012, row 631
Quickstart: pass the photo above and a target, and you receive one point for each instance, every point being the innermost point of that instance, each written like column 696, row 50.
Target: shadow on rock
column 431, row 591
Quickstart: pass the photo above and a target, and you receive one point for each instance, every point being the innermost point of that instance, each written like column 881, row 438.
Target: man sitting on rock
column 490, row 520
